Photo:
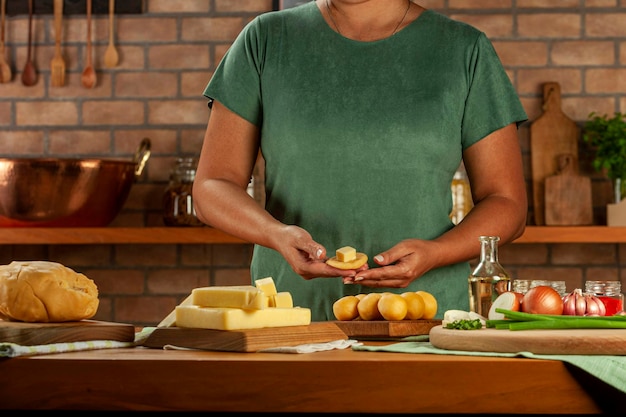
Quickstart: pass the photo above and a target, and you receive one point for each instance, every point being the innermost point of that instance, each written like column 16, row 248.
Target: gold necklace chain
column 406, row 12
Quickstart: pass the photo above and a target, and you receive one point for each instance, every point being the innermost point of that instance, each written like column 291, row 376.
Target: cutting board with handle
column 568, row 199
column 541, row 342
column 552, row 134
column 31, row 334
column 251, row 340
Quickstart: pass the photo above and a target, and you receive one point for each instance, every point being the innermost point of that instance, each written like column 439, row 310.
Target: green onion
column 517, row 320
column 465, row 324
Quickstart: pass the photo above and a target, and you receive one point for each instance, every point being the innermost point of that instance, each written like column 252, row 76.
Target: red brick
column 113, row 112
column 117, row 281
column 33, row 113
column 549, row 25
column 605, row 24
column 583, row 53
column 607, row 80
column 583, row 254
column 145, row 310
column 240, row 276
column 177, row 281
column 145, row 255
column 494, row 25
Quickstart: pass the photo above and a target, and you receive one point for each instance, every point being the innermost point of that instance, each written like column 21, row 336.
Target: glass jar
column 609, row 292
column 489, row 279
column 461, row 196
column 521, row 285
column 559, row 286
column 177, row 200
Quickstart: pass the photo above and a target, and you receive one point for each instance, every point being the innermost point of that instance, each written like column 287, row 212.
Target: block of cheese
column 281, row 300
column 346, row 254
column 240, row 319
column 266, row 285
column 234, row 296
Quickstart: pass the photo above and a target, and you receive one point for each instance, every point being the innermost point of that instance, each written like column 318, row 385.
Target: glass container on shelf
column 461, row 196
column 177, row 200
column 609, row 292
column 489, row 279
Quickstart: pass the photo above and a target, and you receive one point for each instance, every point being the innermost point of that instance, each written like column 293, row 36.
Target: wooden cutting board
column 381, row 329
column 568, row 195
column 543, row 342
column 251, row 340
column 551, row 135
column 31, row 334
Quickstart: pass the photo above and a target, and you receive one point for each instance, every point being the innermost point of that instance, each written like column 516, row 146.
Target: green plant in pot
column 607, row 135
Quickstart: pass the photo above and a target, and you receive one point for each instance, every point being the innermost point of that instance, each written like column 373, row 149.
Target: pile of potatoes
column 410, row 305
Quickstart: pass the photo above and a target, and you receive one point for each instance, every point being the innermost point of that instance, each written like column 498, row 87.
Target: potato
column 392, row 306
column 368, row 307
column 345, row 308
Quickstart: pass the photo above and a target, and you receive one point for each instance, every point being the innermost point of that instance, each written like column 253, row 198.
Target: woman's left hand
column 399, row 266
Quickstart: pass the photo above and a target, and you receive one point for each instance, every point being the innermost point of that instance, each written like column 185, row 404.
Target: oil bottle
column 489, row 279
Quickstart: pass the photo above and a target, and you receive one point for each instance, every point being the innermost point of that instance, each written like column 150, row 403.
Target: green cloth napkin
column 610, row 369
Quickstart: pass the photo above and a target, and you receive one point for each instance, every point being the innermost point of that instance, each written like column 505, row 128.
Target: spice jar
column 177, row 200
column 609, row 292
column 489, row 279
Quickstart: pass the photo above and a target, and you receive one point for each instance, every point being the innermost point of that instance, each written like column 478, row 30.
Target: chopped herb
column 465, row 324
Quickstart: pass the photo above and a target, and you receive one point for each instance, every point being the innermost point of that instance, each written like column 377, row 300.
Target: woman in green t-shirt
column 362, row 112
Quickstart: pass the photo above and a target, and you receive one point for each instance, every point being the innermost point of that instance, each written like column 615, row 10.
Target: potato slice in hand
column 359, row 261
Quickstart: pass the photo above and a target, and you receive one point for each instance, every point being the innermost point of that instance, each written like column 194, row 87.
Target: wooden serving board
column 551, row 135
column 386, row 329
column 31, row 334
column 251, row 340
column 543, row 342
column 568, row 195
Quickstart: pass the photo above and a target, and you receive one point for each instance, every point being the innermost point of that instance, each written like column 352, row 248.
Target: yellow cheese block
column 346, row 254
column 266, row 285
column 281, row 300
column 239, row 319
column 235, row 296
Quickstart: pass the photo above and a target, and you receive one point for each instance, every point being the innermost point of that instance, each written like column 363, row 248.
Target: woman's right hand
column 307, row 257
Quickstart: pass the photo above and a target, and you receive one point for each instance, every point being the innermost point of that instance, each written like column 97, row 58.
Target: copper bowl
column 66, row 192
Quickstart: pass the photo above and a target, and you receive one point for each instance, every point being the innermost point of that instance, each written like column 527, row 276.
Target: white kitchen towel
column 306, row 348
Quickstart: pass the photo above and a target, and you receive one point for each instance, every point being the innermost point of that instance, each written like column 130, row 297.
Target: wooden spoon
column 29, row 75
column 5, row 68
column 111, row 57
column 88, row 77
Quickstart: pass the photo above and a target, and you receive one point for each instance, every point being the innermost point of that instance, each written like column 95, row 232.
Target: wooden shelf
column 115, row 235
column 209, row 235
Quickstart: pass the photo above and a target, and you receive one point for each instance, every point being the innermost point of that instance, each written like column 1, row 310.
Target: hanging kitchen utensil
column 57, row 66
column 5, row 68
column 551, row 135
column 111, row 57
column 568, row 195
column 29, row 74
column 88, row 77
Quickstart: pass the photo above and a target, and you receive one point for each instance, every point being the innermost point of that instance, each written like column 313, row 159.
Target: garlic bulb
column 578, row 303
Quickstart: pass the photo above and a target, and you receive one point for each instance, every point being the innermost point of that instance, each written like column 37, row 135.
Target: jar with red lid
column 609, row 292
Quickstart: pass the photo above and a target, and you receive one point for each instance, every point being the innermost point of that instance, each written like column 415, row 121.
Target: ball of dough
column 42, row 291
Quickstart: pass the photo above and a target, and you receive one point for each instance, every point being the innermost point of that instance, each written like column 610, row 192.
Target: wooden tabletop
column 338, row 381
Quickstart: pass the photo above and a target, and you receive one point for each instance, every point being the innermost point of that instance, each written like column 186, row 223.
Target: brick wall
column 166, row 58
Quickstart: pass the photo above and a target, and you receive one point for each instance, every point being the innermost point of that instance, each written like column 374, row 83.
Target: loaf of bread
column 45, row 292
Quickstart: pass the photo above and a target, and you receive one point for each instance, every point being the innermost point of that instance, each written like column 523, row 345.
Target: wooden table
column 339, row 381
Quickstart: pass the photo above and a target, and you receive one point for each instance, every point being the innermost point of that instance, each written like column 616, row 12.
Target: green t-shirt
column 361, row 139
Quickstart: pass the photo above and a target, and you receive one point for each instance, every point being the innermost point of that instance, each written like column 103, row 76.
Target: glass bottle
column 461, row 196
column 489, row 279
column 609, row 292
column 177, row 200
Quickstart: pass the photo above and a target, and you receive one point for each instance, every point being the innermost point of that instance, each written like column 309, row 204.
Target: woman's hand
column 399, row 266
column 307, row 257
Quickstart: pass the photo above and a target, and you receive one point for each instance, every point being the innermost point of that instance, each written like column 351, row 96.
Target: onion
column 578, row 304
column 542, row 300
